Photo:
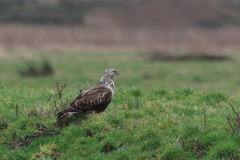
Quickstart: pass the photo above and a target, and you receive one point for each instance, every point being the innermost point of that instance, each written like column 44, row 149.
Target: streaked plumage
column 93, row 100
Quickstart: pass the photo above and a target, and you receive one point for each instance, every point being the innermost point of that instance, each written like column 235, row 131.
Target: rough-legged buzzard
column 93, row 100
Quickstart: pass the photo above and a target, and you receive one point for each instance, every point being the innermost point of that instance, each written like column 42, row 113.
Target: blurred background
column 152, row 43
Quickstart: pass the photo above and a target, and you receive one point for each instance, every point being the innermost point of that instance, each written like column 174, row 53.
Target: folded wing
column 96, row 99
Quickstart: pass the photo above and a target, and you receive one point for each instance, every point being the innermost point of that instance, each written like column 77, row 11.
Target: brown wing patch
column 76, row 98
column 92, row 99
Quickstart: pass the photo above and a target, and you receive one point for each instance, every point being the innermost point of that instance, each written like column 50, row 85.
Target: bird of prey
column 93, row 100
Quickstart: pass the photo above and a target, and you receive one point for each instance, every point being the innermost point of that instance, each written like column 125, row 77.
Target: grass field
column 154, row 124
column 156, row 113
column 135, row 69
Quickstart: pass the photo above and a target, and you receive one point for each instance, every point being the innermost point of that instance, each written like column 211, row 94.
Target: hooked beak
column 117, row 73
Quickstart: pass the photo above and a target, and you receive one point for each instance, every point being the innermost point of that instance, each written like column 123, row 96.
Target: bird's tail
column 65, row 113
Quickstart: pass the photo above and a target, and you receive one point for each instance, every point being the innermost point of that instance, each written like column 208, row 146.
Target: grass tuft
column 228, row 150
column 45, row 151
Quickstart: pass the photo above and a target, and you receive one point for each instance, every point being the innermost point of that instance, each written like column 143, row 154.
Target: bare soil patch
column 29, row 139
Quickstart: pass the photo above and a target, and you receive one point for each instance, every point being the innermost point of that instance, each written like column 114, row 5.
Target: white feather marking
column 71, row 113
column 89, row 91
column 94, row 91
column 111, row 88
column 85, row 92
column 103, row 94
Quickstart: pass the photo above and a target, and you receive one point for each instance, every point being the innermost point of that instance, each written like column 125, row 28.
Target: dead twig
column 229, row 121
column 204, row 112
column 234, row 110
column 55, row 106
column 16, row 109
column 80, row 89
column 234, row 123
column 62, row 87
column 49, row 98
column 88, row 85
column 195, row 146
column 58, row 96
column 177, row 139
column 60, row 93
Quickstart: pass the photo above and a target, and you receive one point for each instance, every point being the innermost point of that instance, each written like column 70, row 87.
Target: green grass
column 135, row 70
column 137, row 124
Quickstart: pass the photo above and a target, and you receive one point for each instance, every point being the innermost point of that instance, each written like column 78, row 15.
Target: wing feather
column 92, row 99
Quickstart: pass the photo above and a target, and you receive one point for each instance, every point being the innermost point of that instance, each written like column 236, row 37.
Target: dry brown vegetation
column 77, row 38
column 189, row 26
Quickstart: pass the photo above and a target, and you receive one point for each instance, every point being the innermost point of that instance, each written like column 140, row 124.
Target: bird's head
column 111, row 72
